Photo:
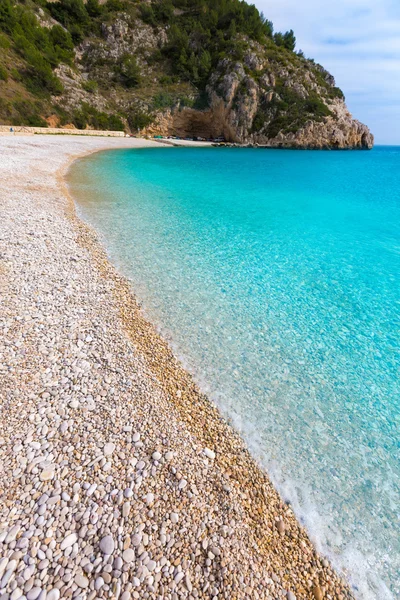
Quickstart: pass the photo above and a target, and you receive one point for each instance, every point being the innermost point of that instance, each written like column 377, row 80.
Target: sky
column 358, row 41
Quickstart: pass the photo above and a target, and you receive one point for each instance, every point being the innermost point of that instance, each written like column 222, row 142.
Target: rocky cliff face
column 259, row 102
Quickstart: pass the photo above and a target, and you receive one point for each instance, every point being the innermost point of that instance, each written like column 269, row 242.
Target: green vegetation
column 88, row 115
column 197, row 35
column 90, row 86
column 288, row 112
column 3, row 74
column 139, row 120
column 129, row 71
column 202, row 32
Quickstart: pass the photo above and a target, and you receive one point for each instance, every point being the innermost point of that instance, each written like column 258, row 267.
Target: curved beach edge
column 209, row 510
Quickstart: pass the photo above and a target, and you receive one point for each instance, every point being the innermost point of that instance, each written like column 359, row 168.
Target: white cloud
column 358, row 41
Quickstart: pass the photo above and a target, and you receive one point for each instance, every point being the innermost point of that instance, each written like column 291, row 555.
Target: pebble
column 128, row 555
column 109, row 449
column 209, row 453
column 81, row 581
column 34, row 593
column 107, row 545
column 136, row 539
column 69, row 541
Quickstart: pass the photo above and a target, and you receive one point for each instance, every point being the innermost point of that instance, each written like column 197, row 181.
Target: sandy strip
column 118, row 478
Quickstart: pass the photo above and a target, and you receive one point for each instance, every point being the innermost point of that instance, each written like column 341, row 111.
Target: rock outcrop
column 248, row 105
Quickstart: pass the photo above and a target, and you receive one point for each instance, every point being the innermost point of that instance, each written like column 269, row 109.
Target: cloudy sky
column 358, row 41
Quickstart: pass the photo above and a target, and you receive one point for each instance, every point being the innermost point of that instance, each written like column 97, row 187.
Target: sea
column 275, row 277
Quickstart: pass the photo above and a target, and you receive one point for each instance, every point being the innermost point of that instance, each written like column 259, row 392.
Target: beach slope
column 118, row 478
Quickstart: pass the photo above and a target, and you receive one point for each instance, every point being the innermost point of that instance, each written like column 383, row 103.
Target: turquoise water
column 275, row 276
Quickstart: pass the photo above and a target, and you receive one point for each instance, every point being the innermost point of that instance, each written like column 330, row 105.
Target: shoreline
column 266, row 544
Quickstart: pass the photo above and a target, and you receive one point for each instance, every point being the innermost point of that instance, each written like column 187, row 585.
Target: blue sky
column 358, row 41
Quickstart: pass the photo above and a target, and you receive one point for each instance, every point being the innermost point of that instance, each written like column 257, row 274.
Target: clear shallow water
column 276, row 277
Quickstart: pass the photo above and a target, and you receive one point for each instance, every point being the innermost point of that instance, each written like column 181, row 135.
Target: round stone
column 33, row 593
column 53, row 594
column 98, row 583
column 151, row 565
column 149, row 498
column 107, row 545
column 81, row 581
column 129, row 555
column 47, row 474
column 109, row 449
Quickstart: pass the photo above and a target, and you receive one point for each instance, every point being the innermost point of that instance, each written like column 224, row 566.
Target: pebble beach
column 118, row 477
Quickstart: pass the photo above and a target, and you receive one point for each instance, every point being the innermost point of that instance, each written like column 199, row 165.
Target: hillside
column 205, row 68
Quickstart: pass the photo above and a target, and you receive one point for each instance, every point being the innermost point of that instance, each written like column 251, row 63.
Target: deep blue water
column 275, row 275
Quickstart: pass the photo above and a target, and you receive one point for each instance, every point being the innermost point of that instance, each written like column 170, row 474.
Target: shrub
column 90, row 86
column 89, row 115
column 3, row 74
column 129, row 71
column 29, row 113
column 139, row 120
column 163, row 100
column 4, row 42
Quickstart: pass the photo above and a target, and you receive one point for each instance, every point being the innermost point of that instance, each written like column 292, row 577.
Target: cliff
column 170, row 67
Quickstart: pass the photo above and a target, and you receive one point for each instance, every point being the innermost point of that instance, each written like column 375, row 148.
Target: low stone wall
column 20, row 129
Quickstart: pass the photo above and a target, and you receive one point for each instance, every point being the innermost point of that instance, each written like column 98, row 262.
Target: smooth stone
column 98, row 583
column 91, row 489
column 178, row 577
column 47, row 474
column 156, row 456
column 136, row 539
column 149, row 498
column 209, row 453
column 81, row 581
column 108, row 449
column 34, row 593
column 3, row 564
column 151, row 565
column 69, row 541
column 126, row 508
column 174, row 518
column 6, row 578
column 290, row 596
column 318, row 595
column 281, row 527
column 12, row 534
column 53, row 594
column 107, row 545
column 128, row 555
